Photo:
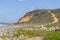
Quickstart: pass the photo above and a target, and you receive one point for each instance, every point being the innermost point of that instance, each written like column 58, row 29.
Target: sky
column 12, row 10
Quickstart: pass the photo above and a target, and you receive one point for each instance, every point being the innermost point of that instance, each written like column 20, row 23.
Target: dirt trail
column 54, row 16
column 35, row 38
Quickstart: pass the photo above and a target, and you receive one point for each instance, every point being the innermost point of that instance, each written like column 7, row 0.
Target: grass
column 53, row 36
column 48, row 35
column 29, row 33
column 3, row 37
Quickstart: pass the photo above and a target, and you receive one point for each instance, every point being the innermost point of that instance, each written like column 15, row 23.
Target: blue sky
column 12, row 10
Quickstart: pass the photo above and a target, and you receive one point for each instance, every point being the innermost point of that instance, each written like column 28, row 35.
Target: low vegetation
column 47, row 35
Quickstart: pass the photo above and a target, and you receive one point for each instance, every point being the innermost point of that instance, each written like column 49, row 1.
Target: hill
column 39, row 24
column 41, row 17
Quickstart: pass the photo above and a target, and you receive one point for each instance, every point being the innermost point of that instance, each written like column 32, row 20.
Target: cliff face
column 25, row 18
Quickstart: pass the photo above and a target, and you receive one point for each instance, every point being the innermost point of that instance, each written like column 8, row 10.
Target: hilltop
column 41, row 17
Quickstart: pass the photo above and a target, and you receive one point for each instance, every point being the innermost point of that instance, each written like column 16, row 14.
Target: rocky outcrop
column 25, row 18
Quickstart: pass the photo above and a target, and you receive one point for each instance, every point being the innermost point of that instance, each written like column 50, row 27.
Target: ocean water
column 3, row 24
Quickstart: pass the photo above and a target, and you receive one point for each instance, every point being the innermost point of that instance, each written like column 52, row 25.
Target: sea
column 3, row 24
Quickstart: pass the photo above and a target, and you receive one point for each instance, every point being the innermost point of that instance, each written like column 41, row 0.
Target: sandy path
column 54, row 16
column 35, row 38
